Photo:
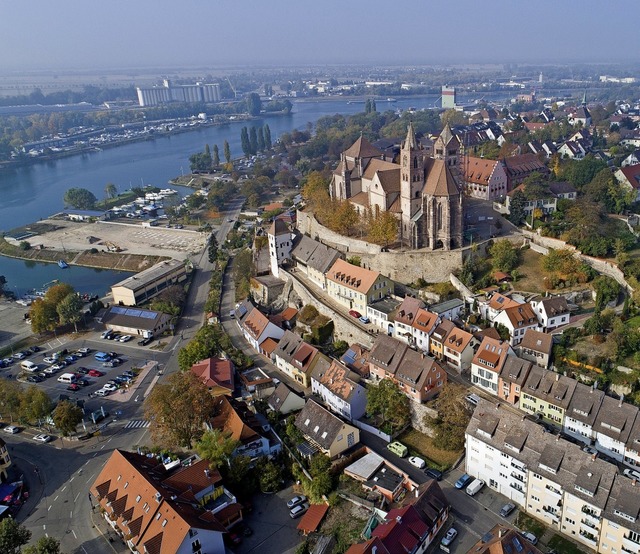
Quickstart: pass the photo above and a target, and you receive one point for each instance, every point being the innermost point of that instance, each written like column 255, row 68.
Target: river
column 36, row 191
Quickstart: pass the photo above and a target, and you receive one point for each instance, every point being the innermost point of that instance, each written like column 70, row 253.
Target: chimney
column 557, row 377
column 207, row 473
column 399, row 519
column 502, row 532
column 593, row 458
column 417, row 492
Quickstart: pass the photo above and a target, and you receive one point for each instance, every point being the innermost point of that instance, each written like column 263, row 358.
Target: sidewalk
column 125, row 394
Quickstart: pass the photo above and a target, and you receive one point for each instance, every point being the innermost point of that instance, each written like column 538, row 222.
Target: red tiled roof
column 215, row 372
column 268, row 346
column 311, row 520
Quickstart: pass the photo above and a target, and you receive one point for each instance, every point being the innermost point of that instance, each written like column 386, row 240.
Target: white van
column 475, row 487
column 29, row 366
column 67, row 378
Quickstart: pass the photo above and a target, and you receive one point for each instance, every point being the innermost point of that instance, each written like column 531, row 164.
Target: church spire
column 410, row 141
column 584, row 98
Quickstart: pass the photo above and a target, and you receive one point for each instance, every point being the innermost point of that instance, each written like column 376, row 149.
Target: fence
column 369, row 428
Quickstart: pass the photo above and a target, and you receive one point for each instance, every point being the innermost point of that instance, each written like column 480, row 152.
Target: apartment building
column 356, row 287
column 547, row 394
column 487, row 364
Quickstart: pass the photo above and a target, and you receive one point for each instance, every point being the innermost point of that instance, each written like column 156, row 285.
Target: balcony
column 589, row 524
column 553, row 491
column 516, row 487
column 631, row 544
column 517, row 476
column 550, row 512
column 589, row 537
column 590, row 512
column 629, row 550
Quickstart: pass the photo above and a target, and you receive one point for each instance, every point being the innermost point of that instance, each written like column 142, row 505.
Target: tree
column 227, row 152
column 504, row 255
column 13, row 536
column 516, row 207
column 253, row 141
column 3, row 282
column 213, row 248
column 70, row 310
column 10, row 396
column 254, row 104
column 66, row 417
column 81, row 199
column 216, row 447
column 44, row 316
column 110, row 190
column 244, row 142
column 452, row 419
column 178, row 409
column 216, row 156
column 267, row 137
column 383, row 229
column 35, row 405
column 45, row 545
column 261, row 143
column 57, row 293
column 387, row 401
column 453, row 117
column 270, row 475
column 607, row 289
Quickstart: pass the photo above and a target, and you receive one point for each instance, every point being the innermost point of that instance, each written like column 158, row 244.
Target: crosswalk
column 137, row 424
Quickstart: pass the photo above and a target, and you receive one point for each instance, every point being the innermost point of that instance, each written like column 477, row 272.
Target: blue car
column 463, row 481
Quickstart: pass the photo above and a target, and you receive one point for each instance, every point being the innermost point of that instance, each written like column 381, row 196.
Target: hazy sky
column 134, row 33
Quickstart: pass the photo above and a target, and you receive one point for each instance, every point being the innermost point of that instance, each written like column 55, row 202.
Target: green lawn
column 526, row 523
column 422, row 445
column 564, row 546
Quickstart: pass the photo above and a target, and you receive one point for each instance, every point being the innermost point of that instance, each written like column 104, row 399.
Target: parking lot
column 54, row 361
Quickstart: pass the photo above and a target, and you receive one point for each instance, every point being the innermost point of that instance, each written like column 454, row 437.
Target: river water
column 33, row 192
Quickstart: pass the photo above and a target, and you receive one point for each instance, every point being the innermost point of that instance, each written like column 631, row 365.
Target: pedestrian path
column 137, row 424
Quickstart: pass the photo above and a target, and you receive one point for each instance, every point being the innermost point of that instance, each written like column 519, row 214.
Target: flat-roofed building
column 148, row 283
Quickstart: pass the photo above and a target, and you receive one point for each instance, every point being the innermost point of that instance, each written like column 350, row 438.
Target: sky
column 84, row 34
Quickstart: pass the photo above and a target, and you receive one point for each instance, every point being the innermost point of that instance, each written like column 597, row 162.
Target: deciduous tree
column 216, row 447
column 387, row 401
column 66, row 417
column 13, row 536
column 70, row 310
column 45, row 545
column 178, row 409
column 216, row 156
column 452, row 419
column 80, row 198
column 110, row 190
column 227, row 152
column 504, row 255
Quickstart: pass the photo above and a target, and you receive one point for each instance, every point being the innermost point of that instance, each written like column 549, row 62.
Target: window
column 195, row 545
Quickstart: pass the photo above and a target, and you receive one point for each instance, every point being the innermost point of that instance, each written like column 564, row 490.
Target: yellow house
column 356, row 287
column 5, row 461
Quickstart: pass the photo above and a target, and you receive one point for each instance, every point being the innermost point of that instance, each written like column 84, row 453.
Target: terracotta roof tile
column 352, row 276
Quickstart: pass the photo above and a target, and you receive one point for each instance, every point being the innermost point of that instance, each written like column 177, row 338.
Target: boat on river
column 63, row 264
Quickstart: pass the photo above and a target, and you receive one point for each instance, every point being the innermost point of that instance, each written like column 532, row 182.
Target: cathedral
column 422, row 191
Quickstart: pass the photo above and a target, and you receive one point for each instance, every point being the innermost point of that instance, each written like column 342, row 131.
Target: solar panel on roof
column 133, row 313
column 119, row 310
column 147, row 315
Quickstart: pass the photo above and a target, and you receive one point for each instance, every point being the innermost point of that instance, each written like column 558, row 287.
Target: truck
column 475, row 487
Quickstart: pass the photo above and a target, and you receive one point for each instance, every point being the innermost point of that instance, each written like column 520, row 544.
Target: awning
column 311, row 520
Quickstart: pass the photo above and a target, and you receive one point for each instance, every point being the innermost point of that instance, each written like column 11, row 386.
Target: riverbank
column 95, row 260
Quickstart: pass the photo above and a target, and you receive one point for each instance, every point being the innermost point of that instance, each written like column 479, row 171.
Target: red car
column 353, row 313
column 73, row 387
column 95, row 373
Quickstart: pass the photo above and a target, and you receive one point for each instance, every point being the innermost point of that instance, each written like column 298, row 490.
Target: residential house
column 572, row 150
column 613, row 426
column 631, row 159
column 280, row 245
column 381, row 314
column 552, row 312
column 438, row 337
column 157, row 510
column 340, row 390
column 257, row 383
column 313, row 259
column 519, row 167
column 257, row 329
column 419, row 376
column 629, row 177
column 580, row 116
column 218, row 375
column 284, row 400
column 518, row 320
column 235, row 420
column 459, row 348
column 356, row 358
column 547, row 205
column 502, row 539
column 449, row 309
column 405, row 314
column 494, row 305
column 324, row 431
column 356, row 287
column 487, row 364
column 549, row 478
column 296, row 358
column 512, row 377
column 380, row 476
column 547, row 394
column 563, row 190
column 5, row 461
column 632, row 449
column 424, row 324
column 265, row 289
column 580, row 416
column 536, row 347
column 483, row 178
column 620, row 527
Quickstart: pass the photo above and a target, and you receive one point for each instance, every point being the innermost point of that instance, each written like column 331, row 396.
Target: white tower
column 280, row 245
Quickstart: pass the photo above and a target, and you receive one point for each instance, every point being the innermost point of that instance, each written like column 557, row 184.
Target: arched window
column 439, row 218
column 415, row 162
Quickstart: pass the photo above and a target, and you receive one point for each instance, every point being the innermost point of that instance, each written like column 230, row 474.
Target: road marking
column 56, row 498
column 75, row 536
column 70, row 481
column 137, row 424
column 102, row 447
column 44, row 527
column 49, row 508
column 86, row 462
column 71, row 514
column 63, row 488
column 76, row 498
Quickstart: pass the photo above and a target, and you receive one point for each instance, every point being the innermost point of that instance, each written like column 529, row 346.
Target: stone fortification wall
column 344, row 328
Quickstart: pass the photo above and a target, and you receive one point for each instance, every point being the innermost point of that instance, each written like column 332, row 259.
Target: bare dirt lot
column 130, row 238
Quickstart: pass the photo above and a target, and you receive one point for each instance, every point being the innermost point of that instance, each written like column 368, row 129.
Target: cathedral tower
column 411, row 179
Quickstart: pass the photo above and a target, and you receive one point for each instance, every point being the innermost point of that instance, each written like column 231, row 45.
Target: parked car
column 472, row 399
column 74, row 387
column 364, row 319
column 416, row 461
column 110, row 387
column 632, row 474
column 449, row 537
column 106, row 334
column 507, row 509
column 84, row 350
column 145, row 341
column 34, row 349
column 434, row 474
column 95, row 373
column 102, row 392
column 125, row 338
column 42, row 438
column 70, row 358
column 50, row 370
column 7, row 361
column 102, row 356
column 590, row 450
column 530, row 537
column 50, row 360
column 296, row 500
column 464, row 480
column 19, row 356
column 34, row 379
column 11, row 429
column 353, row 313
column 58, row 366
column 82, row 370
column 298, row 511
